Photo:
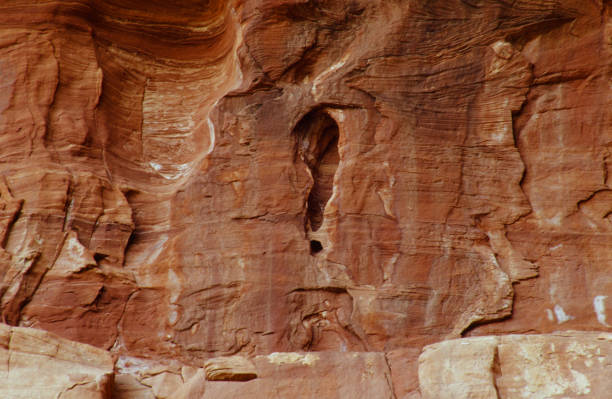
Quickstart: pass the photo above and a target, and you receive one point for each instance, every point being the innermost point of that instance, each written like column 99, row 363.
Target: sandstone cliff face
column 182, row 181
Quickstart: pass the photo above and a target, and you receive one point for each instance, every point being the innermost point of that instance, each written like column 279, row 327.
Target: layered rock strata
column 200, row 179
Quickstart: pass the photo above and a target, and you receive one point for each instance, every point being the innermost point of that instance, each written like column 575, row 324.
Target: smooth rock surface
column 559, row 365
column 37, row 364
column 312, row 375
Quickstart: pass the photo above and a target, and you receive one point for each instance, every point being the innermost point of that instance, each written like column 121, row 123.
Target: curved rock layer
column 196, row 179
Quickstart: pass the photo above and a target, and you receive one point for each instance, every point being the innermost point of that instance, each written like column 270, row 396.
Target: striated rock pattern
column 231, row 368
column 340, row 180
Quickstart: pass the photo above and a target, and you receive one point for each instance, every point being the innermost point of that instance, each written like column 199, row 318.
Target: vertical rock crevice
column 317, row 136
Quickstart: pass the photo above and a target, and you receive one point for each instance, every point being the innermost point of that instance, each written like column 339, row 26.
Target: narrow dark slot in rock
column 317, row 135
column 323, row 175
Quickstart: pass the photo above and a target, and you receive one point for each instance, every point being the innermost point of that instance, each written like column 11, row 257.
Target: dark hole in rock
column 317, row 136
column 99, row 257
column 315, row 246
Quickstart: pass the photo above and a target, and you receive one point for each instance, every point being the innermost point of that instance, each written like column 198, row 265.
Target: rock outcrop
column 37, row 364
column 279, row 374
column 560, row 365
column 193, row 180
column 230, row 368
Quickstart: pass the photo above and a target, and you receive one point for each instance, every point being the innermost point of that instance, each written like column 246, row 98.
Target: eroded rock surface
column 279, row 374
column 188, row 180
column 230, row 368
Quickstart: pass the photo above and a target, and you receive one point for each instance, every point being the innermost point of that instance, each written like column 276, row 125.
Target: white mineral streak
column 562, row 317
column 600, row 309
column 307, row 359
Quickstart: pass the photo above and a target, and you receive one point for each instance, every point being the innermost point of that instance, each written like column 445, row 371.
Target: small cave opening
column 98, row 257
column 315, row 247
column 317, row 134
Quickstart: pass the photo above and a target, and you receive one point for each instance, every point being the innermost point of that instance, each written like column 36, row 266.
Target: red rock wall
column 184, row 180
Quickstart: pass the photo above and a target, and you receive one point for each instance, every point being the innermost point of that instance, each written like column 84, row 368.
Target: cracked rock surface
column 38, row 364
column 559, row 365
column 345, row 180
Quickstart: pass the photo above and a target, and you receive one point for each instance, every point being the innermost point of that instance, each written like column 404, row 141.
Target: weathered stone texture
column 560, row 365
column 279, row 374
column 37, row 364
column 188, row 180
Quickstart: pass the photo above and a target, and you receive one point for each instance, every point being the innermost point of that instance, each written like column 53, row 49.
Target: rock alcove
column 317, row 146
